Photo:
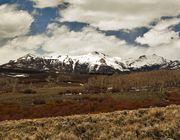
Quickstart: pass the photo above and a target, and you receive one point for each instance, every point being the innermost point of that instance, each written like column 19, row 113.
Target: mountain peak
column 95, row 52
column 98, row 53
column 147, row 60
column 28, row 56
column 94, row 62
column 149, row 56
column 143, row 57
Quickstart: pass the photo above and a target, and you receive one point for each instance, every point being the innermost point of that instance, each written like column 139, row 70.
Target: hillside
column 148, row 124
column 92, row 63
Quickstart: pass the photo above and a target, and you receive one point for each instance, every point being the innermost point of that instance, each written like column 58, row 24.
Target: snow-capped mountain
column 94, row 62
column 147, row 62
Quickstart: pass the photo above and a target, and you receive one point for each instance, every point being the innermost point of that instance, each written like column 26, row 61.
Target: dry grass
column 147, row 124
column 139, row 81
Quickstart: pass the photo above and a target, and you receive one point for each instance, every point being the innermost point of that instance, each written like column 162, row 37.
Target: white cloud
column 28, row 42
column 162, row 40
column 60, row 40
column 13, row 22
column 47, row 3
column 9, row 53
column 64, row 41
column 107, row 15
column 160, row 34
column 164, row 24
column 169, row 51
column 119, row 14
column 155, row 38
column 20, row 46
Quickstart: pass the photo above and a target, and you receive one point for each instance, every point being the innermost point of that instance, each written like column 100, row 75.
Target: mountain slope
column 147, row 62
column 95, row 62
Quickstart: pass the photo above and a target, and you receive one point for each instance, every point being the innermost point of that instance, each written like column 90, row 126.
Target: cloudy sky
column 123, row 28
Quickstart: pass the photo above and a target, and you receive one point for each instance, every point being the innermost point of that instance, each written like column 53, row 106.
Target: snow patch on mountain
column 100, row 59
column 146, row 60
column 94, row 62
column 28, row 57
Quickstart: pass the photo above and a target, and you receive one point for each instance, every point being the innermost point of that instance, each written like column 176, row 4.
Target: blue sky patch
column 128, row 35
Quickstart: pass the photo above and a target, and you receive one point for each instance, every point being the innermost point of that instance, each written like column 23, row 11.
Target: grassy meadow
column 50, row 95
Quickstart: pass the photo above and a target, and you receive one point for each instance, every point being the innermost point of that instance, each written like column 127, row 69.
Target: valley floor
column 147, row 124
column 44, row 95
column 48, row 102
column 147, row 105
